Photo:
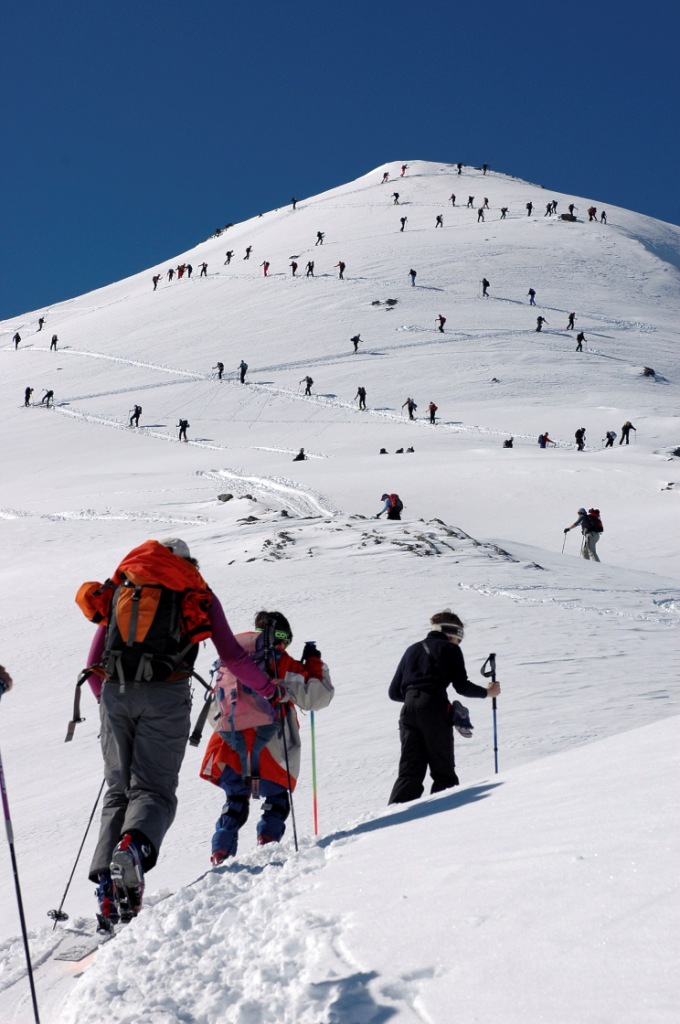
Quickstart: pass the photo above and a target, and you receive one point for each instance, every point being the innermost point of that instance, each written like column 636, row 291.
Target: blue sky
column 132, row 130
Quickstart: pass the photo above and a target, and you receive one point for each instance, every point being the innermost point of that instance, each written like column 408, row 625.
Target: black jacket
column 434, row 671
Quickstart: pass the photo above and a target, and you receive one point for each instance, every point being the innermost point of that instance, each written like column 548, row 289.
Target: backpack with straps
column 396, row 503
column 592, row 521
column 157, row 610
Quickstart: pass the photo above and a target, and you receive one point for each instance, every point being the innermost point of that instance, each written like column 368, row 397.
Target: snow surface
column 545, row 893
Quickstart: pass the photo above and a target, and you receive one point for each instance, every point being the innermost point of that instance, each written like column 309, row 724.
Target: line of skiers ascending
column 591, row 529
column 144, row 694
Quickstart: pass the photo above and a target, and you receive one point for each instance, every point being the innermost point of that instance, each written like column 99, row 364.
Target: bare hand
column 493, row 689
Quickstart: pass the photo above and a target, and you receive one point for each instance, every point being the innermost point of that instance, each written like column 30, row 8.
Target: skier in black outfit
column 27, row 396
column 136, row 413
column 16, row 339
column 183, row 424
column 427, row 718
column 355, row 341
column 361, row 395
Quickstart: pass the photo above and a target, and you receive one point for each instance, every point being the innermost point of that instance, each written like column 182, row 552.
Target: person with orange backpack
column 151, row 616
column 394, row 506
column 255, row 749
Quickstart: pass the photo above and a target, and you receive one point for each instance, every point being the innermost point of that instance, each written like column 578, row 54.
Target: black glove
column 566, row 529
column 310, row 651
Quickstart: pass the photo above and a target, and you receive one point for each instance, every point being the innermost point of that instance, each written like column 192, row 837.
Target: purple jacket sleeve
column 94, row 657
column 232, row 654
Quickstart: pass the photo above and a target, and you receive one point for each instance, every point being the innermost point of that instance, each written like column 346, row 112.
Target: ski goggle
column 281, row 636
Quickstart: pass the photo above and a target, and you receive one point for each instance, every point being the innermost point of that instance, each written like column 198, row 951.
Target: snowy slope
column 585, row 651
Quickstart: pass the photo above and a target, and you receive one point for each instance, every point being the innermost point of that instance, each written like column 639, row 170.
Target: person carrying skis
column 441, row 320
column 625, row 432
column 307, row 381
column 540, row 320
column 261, row 760
column 427, row 719
column 591, row 528
column 411, row 406
column 242, row 369
column 27, row 397
column 432, row 409
column 356, row 341
column 361, row 395
column 394, row 506
column 145, row 704
column 183, row 425
column 134, row 418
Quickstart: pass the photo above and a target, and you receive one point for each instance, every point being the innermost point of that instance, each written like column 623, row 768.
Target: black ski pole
column 491, row 662
column 20, row 904
column 271, row 645
column 565, row 540
column 59, row 914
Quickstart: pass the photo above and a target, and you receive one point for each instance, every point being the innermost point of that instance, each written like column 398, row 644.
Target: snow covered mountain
column 544, row 893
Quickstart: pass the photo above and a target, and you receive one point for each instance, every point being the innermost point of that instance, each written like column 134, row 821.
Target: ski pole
column 59, row 914
column 564, row 541
column 491, row 662
column 314, row 804
column 271, row 646
column 15, row 870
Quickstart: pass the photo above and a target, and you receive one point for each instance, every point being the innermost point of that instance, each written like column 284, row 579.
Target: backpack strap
column 85, row 674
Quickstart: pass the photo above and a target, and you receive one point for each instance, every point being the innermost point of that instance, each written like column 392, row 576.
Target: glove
column 310, row 651
column 566, row 529
column 5, row 681
column 280, row 696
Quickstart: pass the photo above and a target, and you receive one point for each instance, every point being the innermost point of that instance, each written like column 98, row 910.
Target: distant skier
column 504, row 212
column 439, row 223
column 580, row 436
column 411, row 406
column 265, row 267
column 485, row 204
column 532, row 296
column 300, row 457
column 395, row 197
column 361, row 395
column 508, row 443
column 242, row 369
column 310, row 269
column 603, row 217
column 412, row 274
column 294, row 202
column 485, row 288
column 27, row 396
column 204, row 270
column 452, row 199
column 404, row 168
column 548, row 210
column 393, row 506
column 180, row 270
column 293, row 268
column 540, row 320
column 220, row 370
column 485, row 168
column 544, row 440
column 625, row 432
column 249, row 249
column 471, row 202
column 229, row 254
column 341, row 269
column 134, row 418
column 529, row 208
column 47, row 398
column 441, row 320
column 190, row 269
column 171, row 274
column 592, row 213
column 570, row 322
column 402, row 221
column 460, row 168
column 554, row 206
column 355, row 341
column 53, row 343
column 480, row 214
column 320, row 235
column 571, row 209
column 591, row 528
column 183, row 426
column 432, row 409
column 41, row 321
column 610, row 437
column 156, row 278
column 17, row 340
column 580, row 338
column 307, row 381
column 385, row 177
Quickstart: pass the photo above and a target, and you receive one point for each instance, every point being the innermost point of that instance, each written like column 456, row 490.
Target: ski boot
column 108, row 914
column 127, row 876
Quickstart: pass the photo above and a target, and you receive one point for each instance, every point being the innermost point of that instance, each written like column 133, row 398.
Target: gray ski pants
column 589, row 545
column 144, row 734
